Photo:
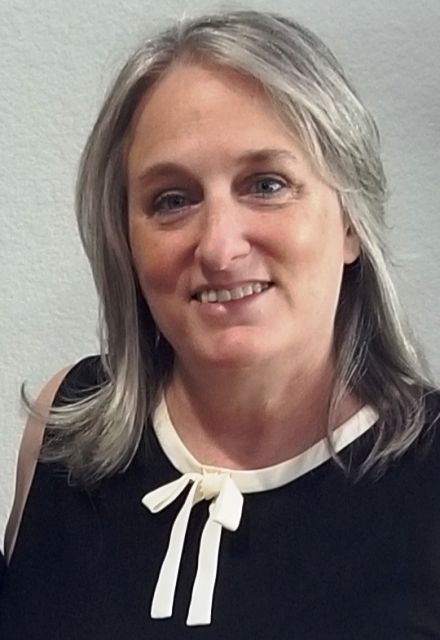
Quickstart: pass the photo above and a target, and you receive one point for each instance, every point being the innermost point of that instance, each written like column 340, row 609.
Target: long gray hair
column 376, row 356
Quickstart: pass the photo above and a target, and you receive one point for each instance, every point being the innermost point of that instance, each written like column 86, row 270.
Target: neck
column 249, row 419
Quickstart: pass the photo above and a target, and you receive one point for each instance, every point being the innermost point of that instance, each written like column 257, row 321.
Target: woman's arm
column 27, row 459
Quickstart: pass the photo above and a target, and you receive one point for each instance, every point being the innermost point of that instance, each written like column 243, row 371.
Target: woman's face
column 223, row 203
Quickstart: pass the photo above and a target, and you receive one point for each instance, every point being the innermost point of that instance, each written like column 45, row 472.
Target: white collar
column 224, row 488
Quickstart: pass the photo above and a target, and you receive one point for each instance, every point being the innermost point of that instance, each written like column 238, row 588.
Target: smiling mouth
column 235, row 293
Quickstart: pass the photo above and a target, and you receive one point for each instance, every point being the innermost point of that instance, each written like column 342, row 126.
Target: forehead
column 201, row 105
column 192, row 89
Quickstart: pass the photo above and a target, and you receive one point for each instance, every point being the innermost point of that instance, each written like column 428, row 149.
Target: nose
column 222, row 237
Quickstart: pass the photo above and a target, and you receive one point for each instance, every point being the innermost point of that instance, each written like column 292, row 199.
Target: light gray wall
column 57, row 58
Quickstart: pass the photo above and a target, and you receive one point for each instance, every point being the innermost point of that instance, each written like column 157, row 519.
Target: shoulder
column 65, row 386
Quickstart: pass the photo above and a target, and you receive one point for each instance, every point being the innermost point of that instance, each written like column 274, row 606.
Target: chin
column 237, row 354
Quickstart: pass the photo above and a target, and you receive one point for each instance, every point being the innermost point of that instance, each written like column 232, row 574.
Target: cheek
column 152, row 270
column 313, row 251
column 150, row 263
column 311, row 243
column 326, row 274
column 158, row 266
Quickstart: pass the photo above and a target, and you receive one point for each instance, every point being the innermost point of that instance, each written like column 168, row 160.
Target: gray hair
column 376, row 356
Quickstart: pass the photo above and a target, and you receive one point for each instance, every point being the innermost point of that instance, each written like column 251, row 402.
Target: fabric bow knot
column 224, row 512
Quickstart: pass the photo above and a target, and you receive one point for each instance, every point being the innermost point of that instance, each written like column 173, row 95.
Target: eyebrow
column 259, row 156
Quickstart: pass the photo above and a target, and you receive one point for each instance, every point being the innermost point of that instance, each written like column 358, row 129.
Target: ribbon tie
column 224, row 512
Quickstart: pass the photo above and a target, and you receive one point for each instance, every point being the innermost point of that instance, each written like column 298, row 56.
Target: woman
column 254, row 452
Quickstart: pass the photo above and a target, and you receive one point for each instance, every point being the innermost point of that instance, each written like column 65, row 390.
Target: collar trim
column 272, row 477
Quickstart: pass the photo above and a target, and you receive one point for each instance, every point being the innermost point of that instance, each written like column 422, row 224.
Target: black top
column 321, row 557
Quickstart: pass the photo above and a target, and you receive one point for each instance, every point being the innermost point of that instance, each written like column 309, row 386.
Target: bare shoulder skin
column 27, row 460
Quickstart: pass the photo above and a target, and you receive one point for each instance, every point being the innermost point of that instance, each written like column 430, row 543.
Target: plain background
column 57, row 59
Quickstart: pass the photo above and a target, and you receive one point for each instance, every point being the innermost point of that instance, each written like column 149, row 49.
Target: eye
column 268, row 186
column 170, row 202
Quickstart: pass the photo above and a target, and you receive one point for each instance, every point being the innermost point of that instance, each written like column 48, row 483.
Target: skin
column 251, row 381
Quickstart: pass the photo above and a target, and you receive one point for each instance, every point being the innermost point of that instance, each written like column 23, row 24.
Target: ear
column 352, row 245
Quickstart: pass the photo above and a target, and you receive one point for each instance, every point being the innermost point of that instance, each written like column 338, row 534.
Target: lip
column 227, row 285
column 245, row 309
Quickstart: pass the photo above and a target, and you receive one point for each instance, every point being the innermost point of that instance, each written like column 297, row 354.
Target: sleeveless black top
column 318, row 557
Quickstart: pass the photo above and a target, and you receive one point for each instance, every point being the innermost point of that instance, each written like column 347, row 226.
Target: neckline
column 266, row 478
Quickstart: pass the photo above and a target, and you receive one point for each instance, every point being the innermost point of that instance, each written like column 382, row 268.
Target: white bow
column 224, row 511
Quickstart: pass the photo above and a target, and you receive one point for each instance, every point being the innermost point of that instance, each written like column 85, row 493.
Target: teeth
column 258, row 287
column 225, row 295
column 247, row 289
column 237, row 293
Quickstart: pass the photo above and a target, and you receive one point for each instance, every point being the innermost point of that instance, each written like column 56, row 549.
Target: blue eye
column 169, row 202
column 267, row 186
column 174, row 202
